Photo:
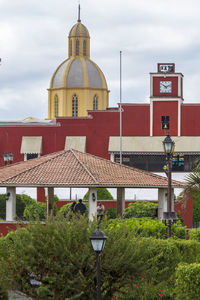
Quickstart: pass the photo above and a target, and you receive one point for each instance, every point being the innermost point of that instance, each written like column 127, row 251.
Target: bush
column 188, row 281
column 194, row 234
column 141, row 209
column 35, row 211
column 146, row 227
column 102, row 194
column 196, row 207
column 111, row 213
column 69, row 263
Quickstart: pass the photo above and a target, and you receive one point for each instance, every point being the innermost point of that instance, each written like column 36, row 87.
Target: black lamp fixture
column 98, row 241
column 169, row 146
column 8, row 158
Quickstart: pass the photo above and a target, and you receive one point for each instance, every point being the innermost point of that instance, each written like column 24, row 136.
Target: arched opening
column 77, row 47
column 95, row 102
column 75, row 106
column 84, row 48
column 70, row 48
column 56, row 106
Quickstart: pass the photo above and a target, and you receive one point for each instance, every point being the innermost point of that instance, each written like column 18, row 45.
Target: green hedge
column 102, row 194
column 188, row 281
column 141, row 209
column 147, row 227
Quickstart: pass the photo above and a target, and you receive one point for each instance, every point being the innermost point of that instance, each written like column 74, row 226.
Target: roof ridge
column 90, row 174
column 33, row 167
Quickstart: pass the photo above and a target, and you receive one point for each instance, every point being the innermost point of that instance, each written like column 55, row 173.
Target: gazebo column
column 11, row 204
column 50, row 201
column 162, row 202
column 120, row 202
column 92, row 201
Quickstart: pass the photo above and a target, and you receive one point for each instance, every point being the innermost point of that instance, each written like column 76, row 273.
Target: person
column 73, row 206
column 100, row 211
column 80, row 207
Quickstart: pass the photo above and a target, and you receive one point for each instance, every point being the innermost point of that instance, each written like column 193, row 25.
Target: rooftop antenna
column 120, row 108
column 79, row 12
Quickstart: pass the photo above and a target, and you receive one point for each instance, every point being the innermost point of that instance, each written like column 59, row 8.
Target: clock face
column 165, row 86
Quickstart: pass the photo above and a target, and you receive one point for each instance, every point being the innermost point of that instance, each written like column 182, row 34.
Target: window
column 77, row 47
column 95, row 102
column 84, row 47
column 56, row 106
column 70, row 48
column 75, row 106
column 31, row 155
column 165, row 122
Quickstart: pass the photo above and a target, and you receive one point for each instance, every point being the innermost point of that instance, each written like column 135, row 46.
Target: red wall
column 165, row 108
column 190, row 119
column 156, row 86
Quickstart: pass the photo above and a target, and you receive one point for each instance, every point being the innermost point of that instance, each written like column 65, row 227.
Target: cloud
column 33, row 39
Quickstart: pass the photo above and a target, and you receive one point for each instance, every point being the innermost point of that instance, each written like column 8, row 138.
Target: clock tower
column 166, row 97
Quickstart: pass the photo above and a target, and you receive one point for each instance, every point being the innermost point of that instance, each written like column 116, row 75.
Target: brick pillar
column 41, row 194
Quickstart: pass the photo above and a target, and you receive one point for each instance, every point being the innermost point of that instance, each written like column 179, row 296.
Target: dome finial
column 79, row 13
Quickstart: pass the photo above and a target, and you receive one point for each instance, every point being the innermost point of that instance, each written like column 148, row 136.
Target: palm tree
column 193, row 180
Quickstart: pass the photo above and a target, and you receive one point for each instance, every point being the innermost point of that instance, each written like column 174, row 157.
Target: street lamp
column 169, row 147
column 8, row 158
column 98, row 241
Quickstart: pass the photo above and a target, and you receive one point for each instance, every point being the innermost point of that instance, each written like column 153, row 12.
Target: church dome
column 78, row 72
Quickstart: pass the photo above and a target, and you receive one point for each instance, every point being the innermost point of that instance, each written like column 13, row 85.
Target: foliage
column 68, row 262
column 188, row 281
column 102, row 194
column 193, row 179
column 196, row 207
column 141, row 209
column 21, row 201
column 146, row 227
column 111, row 213
column 194, row 234
column 35, row 211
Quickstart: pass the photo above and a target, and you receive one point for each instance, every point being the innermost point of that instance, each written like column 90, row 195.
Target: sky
column 34, row 40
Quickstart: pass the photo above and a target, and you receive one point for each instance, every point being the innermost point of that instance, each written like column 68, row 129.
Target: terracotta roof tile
column 74, row 168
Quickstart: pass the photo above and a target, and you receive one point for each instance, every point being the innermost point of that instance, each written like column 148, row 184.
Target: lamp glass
column 97, row 245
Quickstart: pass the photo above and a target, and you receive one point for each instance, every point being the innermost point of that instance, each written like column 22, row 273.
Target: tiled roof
column 77, row 169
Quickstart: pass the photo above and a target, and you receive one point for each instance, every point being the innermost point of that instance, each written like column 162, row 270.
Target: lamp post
column 169, row 146
column 98, row 241
column 8, row 158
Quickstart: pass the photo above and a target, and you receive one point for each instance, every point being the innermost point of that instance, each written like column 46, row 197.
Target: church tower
column 78, row 84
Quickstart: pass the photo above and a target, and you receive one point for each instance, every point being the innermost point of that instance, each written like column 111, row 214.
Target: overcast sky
column 34, row 38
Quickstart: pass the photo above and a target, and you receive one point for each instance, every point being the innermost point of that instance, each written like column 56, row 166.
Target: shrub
column 196, row 207
column 194, row 234
column 141, row 209
column 35, row 211
column 188, row 281
column 146, row 227
column 102, row 194
column 111, row 213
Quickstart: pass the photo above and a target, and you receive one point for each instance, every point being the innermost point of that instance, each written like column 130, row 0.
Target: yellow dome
column 78, row 72
column 79, row 30
column 78, row 84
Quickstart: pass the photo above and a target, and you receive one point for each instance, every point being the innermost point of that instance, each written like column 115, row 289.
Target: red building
column 143, row 128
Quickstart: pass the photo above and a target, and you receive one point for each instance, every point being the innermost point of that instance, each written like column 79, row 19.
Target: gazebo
column 79, row 170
